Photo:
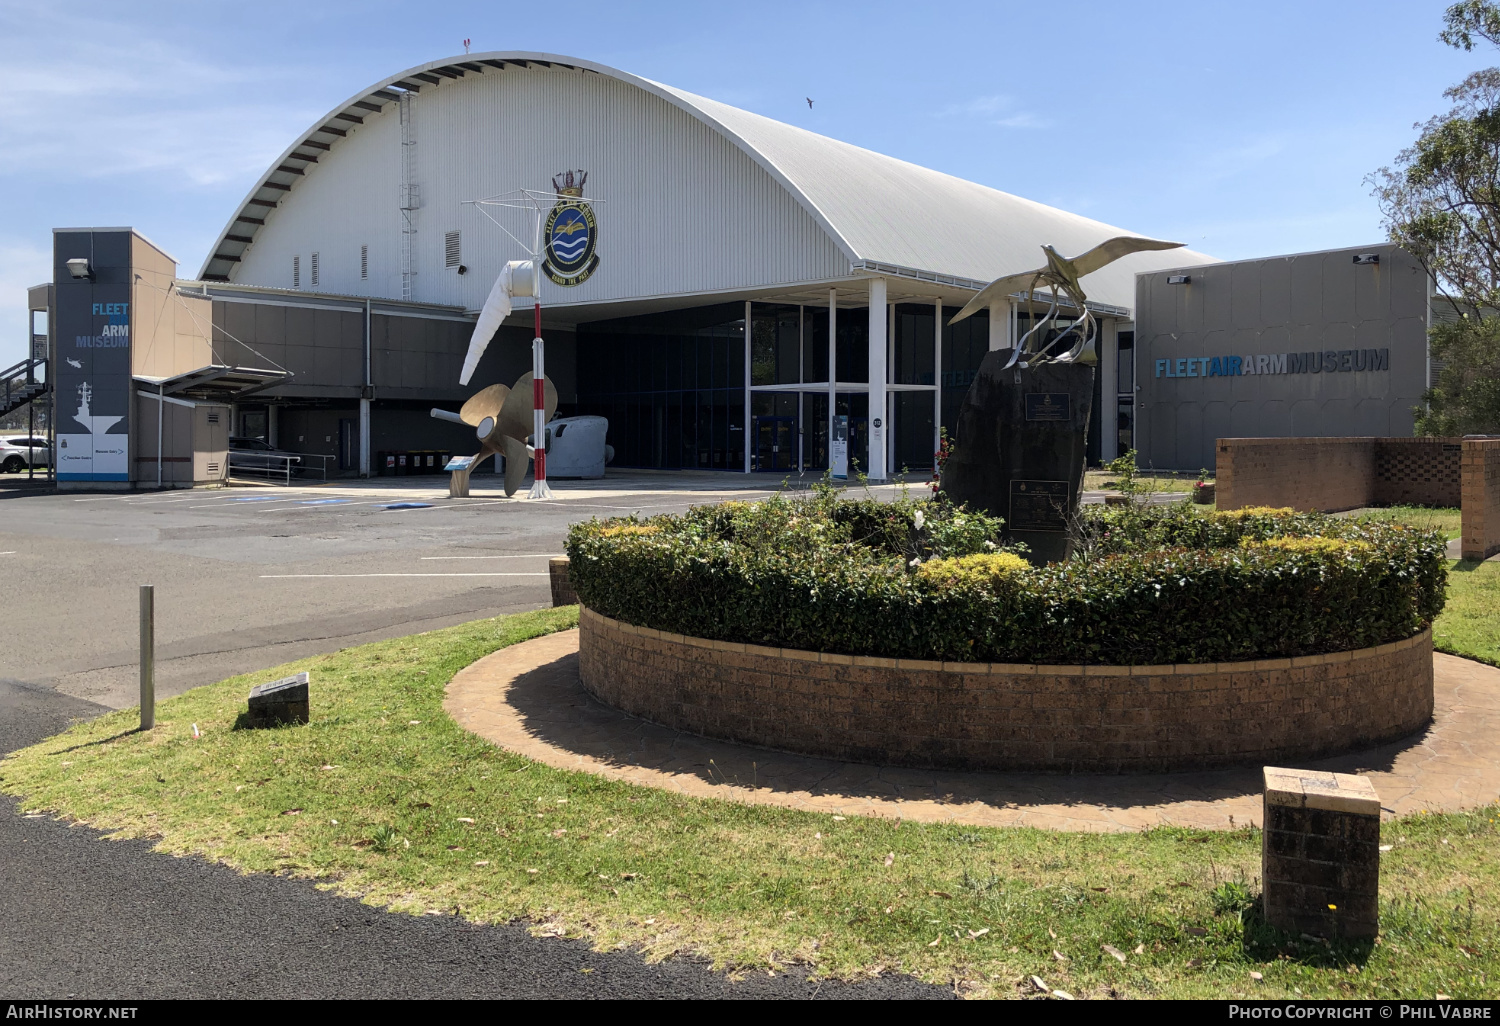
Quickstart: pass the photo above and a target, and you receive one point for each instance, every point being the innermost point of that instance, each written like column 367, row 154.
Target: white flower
column 915, row 560
column 990, row 545
column 918, row 520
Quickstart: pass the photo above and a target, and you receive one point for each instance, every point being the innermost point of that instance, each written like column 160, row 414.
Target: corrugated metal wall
column 683, row 211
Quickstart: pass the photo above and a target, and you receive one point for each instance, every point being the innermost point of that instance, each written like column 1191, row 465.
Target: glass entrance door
column 775, row 443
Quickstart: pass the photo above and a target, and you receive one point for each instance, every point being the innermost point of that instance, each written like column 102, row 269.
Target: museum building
column 735, row 282
column 718, row 284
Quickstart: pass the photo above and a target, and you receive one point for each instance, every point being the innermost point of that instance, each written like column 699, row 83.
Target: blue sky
column 1240, row 129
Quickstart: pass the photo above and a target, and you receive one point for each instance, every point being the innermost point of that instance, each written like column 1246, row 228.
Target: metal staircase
column 19, row 385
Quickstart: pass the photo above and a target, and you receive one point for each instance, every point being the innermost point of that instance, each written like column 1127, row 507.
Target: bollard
column 148, row 657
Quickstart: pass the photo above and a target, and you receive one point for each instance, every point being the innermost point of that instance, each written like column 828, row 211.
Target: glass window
column 666, row 382
column 1126, row 345
column 814, row 343
column 853, row 346
column 913, row 349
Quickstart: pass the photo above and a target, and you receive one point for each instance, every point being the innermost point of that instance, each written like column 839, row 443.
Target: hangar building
column 730, row 282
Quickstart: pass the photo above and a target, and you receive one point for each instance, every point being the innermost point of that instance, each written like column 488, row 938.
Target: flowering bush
column 927, row 580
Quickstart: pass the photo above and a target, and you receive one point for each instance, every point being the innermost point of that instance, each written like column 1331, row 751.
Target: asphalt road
column 82, row 916
column 248, row 578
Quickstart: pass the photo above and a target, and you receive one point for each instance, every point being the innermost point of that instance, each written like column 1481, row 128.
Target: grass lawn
column 1446, row 519
column 1103, row 480
column 1470, row 624
column 384, row 797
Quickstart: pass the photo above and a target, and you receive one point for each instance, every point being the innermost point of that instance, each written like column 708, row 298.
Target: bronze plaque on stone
column 1038, row 506
column 1048, row 406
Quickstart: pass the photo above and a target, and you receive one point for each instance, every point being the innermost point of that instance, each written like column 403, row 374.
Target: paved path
column 527, row 698
column 83, row 916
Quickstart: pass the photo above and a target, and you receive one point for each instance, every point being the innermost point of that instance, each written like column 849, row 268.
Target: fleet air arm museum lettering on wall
column 114, row 335
column 1326, row 361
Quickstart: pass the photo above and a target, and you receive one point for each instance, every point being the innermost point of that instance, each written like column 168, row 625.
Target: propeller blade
column 516, row 458
column 487, row 402
column 515, row 417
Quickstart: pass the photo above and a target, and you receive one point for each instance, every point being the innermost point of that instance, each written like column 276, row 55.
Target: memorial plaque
column 279, row 702
column 1048, row 406
column 1038, row 506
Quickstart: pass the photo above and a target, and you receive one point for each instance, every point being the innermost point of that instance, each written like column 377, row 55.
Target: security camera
column 462, row 269
column 78, row 267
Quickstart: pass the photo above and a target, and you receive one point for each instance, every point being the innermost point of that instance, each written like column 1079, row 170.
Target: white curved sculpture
column 517, row 278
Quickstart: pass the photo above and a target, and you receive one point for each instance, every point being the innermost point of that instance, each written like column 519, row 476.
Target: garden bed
column 904, row 633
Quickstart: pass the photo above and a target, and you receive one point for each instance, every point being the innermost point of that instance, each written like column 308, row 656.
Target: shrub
column 924, row 579
column 981, row 569
column 1327, row 546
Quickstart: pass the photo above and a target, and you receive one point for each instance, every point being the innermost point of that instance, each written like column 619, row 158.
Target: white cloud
column 89, row 100
column 22, row 265
column 998, row 110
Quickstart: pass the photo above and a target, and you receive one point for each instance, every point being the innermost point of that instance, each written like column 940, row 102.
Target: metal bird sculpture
column 1060, row 274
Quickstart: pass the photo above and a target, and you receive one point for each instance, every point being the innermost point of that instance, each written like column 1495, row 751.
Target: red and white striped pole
column 539, row 489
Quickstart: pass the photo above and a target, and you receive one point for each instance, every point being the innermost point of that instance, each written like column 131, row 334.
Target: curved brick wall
column 1012, row 717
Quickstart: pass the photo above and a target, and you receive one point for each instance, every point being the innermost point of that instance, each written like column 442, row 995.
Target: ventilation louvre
column 452, row 251
column 314, row 270
column 364, row 263
column 296, row 272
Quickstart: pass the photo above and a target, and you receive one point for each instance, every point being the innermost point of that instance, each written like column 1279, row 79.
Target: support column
column 1109, row 384
column 833, row 368
column 878, row 428
column 364, row 438
column 273, row 425
column 749, row 423
column 937, row 380
column 1002, row 324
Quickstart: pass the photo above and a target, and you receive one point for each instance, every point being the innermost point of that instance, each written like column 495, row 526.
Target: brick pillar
column 1320, row 858
column 1480, row 530
column 562, row 587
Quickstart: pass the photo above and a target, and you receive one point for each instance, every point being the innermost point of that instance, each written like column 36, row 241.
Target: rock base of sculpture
column 1020, row 450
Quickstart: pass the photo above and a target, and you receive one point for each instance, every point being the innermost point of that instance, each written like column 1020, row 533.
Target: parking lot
column 249, row 577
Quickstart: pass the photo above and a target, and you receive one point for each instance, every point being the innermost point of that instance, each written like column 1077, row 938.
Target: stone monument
column 1022, row 431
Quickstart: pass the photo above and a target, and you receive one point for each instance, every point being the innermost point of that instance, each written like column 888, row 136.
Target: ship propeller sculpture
column 502, row 419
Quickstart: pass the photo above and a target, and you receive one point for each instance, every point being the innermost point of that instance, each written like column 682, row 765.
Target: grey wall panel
column 1307, row 291
column 1259, row 318
column 1276, row 294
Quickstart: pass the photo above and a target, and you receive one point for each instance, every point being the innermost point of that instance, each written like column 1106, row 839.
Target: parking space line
column 269, row 577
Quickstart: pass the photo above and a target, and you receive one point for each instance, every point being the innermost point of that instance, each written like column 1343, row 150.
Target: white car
column 17, row 452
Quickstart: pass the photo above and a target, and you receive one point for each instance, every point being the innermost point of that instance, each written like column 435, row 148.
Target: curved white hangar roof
column 697, row 197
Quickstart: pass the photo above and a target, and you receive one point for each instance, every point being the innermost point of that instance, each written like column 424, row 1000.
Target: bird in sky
column 809, row 103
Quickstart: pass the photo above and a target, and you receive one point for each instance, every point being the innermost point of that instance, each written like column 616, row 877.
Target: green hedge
column 1162, row 585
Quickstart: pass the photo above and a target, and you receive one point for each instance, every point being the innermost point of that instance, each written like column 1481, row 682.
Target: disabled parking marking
column 272, row 577
column 407, row 505
column 323, row 502
column 518, row 555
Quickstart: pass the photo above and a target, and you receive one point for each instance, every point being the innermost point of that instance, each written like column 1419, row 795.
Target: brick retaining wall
column 1011, row 717
column 1481, row 502
column 1334, row 474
